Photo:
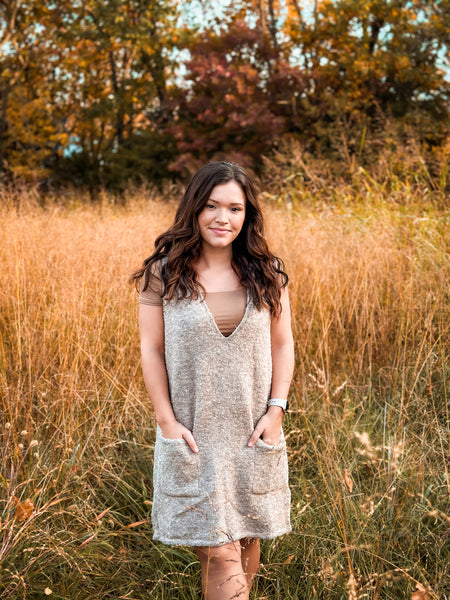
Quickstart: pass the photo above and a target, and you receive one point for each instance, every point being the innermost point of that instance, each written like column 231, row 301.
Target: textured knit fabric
column 219, row 388
column 227, row 307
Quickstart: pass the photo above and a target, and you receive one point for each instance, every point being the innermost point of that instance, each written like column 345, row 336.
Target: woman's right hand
column 176, row 431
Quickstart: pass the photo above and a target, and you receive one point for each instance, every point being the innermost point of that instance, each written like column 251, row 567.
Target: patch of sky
column 209, row 14
column 205, row 14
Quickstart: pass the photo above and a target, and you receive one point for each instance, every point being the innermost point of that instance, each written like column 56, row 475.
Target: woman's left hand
column 268, row 427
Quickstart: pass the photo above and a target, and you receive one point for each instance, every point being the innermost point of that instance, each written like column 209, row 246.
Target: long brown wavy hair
column 177, row 250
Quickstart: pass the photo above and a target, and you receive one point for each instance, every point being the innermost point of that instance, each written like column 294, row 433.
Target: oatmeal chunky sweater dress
column 219, row 387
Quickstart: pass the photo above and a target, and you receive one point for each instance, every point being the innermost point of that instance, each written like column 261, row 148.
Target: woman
column 217, row 359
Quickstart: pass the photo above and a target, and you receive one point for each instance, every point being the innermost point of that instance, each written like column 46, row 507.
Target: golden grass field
column 368, row 427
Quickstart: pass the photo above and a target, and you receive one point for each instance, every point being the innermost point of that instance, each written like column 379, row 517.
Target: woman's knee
column 223, row 558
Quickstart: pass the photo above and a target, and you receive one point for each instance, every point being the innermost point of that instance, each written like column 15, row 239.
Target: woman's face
column 222, row 217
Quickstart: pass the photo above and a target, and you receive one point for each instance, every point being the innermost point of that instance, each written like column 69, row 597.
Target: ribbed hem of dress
column 177, row 542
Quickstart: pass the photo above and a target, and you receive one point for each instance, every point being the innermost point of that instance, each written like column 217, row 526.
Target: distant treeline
column 101, row 93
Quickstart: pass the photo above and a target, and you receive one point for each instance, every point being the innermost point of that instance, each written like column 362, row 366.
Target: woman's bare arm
column 282, row 346
column 151, row 329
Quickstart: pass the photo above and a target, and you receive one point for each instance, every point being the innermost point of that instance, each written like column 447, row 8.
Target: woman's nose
column 222, row 215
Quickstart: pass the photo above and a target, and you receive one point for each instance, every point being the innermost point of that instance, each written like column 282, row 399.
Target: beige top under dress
column 227, row 307
column 219, row 384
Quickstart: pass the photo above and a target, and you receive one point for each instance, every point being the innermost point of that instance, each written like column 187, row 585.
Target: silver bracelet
column 278, row 402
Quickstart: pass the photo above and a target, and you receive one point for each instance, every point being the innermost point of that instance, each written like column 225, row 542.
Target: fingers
column 189, row 439
column 268, row 429
column 272, row 434
column 272, row 440
column 177, row 431
column 257, row 432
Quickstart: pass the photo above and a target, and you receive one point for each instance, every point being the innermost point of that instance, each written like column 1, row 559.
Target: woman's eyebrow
column 231, row 204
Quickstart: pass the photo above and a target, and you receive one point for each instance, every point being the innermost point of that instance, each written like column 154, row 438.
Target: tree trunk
column 119, row 116
column 273, row 30
column 3, row 124
column 10, row 22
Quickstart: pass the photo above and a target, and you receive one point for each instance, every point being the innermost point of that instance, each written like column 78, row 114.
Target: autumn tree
column 8, row 17
column 223, row 109
column 119, row 63
column 368, row 60
column 83, row 81
column 31, row 125
column 90, row 92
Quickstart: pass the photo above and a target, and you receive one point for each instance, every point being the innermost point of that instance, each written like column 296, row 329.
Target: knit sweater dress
column 219, row 387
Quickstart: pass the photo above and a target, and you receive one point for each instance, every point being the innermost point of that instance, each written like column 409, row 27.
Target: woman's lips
column 219, row 231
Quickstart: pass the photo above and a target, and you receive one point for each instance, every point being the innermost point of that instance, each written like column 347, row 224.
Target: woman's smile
column 219, row 231
column 222, row 217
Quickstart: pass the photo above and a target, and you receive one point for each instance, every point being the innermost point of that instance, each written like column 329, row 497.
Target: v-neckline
column 211, row 316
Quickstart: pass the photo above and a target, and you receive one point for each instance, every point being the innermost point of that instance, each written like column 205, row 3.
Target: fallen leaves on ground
column 24, row 510
column 420, row 593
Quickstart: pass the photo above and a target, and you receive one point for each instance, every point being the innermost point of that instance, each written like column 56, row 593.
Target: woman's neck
column 214, row 270
column 215, row 258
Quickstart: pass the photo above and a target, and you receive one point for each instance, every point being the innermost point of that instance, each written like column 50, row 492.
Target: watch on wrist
column 282, row 403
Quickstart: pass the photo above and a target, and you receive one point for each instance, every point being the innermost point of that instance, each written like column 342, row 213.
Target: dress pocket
column 178, row 468
column 270, row 468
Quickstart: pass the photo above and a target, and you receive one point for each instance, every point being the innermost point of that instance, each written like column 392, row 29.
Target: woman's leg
column 250, row 555
column 223, row 577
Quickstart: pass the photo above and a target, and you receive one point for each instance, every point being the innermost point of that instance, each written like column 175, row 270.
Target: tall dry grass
column 367, row 427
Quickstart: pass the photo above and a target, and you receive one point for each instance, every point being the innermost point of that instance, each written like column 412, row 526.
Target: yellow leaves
column 24, row 510
column 403, row 62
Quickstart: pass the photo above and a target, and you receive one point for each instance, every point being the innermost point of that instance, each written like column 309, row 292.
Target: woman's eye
column 235, row 209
